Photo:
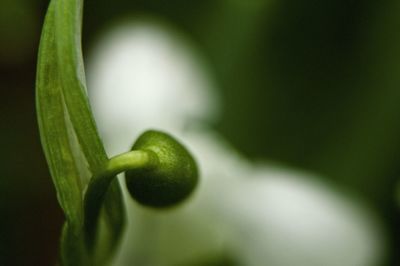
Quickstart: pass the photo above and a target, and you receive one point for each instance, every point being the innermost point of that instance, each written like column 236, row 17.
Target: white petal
column 281, row 217
column 142, row 77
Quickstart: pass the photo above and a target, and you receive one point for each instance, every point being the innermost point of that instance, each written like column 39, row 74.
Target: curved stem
column 99, row 184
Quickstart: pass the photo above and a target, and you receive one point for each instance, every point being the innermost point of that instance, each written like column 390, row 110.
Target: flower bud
column 170, row 179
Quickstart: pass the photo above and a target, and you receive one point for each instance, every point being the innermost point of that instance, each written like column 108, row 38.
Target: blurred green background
column 314, row 84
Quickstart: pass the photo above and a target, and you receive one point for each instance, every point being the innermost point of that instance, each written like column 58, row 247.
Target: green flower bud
column 167, row 181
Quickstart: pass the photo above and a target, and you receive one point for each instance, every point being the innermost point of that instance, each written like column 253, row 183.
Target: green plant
column 160, row 171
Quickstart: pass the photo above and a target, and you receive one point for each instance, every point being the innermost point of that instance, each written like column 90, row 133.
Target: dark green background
column 314, row 84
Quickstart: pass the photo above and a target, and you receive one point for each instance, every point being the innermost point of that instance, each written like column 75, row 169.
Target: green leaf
column 56, row 141
column 69, row 52
column 53, row 126
column 70, row 140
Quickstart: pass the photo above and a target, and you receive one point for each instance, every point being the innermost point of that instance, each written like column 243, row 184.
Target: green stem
column 131, row 160
column 99, row 184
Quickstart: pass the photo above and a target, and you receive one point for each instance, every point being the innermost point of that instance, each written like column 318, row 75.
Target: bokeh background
column 313, row 84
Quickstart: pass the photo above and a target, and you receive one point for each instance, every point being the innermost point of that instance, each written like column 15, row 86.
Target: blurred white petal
column 146, row 77
column 143, row 77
